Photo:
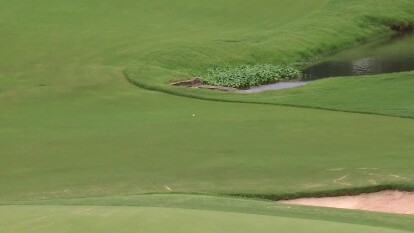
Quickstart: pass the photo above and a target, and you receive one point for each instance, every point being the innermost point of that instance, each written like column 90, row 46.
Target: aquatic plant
column 245, row 76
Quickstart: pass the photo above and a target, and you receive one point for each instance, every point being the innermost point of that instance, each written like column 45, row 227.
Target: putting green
column 149, row 219
column 230, row 205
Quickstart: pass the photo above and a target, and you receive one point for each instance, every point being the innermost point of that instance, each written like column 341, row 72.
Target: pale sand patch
column 385, row 201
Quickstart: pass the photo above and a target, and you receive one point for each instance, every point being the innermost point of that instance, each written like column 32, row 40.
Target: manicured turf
column 212, row 214
column 146, row 219
column 389, row 94
column 71, row 125
column 84, row 145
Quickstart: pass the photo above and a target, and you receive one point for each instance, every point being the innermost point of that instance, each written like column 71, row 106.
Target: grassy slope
column 70, row 125
column 108, row 143
column 389, row 94
column 169, row 210
column 89, row 132
column 155, row 220
column 320, row 32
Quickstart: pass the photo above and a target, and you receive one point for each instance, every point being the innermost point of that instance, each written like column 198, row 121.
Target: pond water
column 392, row 55
column 395, row 54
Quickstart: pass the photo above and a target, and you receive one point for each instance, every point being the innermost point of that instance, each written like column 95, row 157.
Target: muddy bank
column 402, row 27
column 390, row 201
column 198, row 82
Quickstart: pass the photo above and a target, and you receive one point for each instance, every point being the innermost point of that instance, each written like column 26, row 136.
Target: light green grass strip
column 48, row 219
column 227, row 205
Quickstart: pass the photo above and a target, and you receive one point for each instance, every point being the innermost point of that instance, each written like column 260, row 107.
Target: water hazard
column 395, row 54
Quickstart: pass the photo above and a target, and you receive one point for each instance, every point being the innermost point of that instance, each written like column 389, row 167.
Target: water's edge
column 274, row 86
column 395, row 54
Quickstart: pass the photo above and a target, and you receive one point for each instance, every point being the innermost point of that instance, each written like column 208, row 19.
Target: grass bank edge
column 351, row 191
column 250, row 204
column 154, row 74
column 239, row 98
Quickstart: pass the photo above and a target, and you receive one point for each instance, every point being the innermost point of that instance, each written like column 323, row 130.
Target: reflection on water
column 392, row 55
column 395, row 55
column 363, row 66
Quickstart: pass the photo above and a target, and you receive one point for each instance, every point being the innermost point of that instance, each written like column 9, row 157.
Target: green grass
column 387, row 94
column 164, row 212
column 335, row 25
column 71, row 125
column 84, row 145
column 149, row 219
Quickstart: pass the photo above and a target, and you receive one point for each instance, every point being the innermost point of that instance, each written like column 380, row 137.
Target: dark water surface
column 395, row 54
column 392, row 55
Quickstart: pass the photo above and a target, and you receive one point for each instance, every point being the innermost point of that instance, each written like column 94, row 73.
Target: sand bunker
column 385, row 201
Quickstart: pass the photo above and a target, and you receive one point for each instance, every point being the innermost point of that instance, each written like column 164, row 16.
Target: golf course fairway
column 94, row 139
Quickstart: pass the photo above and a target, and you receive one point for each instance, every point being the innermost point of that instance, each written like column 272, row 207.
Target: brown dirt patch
column 385, row 201
column 402, row 28
column 193, row 82
column 198, row 82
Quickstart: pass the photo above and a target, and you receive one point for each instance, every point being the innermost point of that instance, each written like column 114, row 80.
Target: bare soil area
column 385, row 201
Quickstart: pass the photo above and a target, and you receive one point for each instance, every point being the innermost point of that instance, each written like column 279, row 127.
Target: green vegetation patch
column 245, row 76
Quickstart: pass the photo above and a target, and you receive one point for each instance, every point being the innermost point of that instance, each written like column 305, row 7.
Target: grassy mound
column 335, row 25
